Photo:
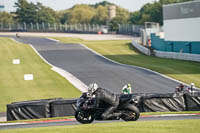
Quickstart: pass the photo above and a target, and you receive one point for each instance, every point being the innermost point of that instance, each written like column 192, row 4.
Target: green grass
column 162, row 113
column 124, row 52
column 46, row 83
column 70, row 117
column 171, row 126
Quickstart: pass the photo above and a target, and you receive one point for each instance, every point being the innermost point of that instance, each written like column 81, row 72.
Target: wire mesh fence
column 73, row 28
column 47, row 27
column 130, row 29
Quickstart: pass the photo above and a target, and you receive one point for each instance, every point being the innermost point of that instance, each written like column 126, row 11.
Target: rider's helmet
column 92, row 88
column 192, row 84
column 129, row 85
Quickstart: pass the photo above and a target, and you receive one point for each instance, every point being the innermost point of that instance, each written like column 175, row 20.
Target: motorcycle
column 127, row 108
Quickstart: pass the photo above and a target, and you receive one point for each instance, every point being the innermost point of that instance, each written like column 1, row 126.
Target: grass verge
column 124, row 52
column 171, row 126
column 46, row 83
column 70, row 117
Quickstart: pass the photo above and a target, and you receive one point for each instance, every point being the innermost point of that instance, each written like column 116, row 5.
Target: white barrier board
column 16, row 61
column 28, row 76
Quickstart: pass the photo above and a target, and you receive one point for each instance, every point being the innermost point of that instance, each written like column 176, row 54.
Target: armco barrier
column 180, row 56
column 141, row 48
column 171, row 55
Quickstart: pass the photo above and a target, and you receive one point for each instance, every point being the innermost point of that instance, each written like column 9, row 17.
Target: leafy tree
column 26, row 12
column 34, row 13
column 103, row 3
column 6, row 18
column 122, row 14
column 46, row 15
column 80, row 14
column 63, row 16
column 114, row 23
column 101, row 15
column 97, row 14
column 135, row 17
column 151, row 12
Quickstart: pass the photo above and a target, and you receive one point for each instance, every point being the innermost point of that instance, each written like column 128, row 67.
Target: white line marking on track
column 134, row 66
column 14, row 40
column 7, row 124
column 53, row 39
column 70, row 77
column 169, row 115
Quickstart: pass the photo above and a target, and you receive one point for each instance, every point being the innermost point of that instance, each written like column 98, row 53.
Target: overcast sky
column 131, row 5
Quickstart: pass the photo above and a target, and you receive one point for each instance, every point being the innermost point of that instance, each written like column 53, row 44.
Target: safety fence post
column 65, row 26
column 10, row 26
column 43, row 26
column 24, row 26
column 37, row 25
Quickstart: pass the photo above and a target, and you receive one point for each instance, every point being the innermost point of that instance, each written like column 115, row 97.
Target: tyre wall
column 59, row 107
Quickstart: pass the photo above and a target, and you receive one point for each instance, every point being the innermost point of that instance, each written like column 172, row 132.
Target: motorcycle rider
column 126, row 89
column 192, row 87
column 103, row 95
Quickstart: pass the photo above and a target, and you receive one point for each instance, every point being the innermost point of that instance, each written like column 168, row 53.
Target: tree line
column 28, row 12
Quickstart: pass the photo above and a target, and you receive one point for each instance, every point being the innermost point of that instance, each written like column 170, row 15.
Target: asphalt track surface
column 74, row 122
column 90, row 67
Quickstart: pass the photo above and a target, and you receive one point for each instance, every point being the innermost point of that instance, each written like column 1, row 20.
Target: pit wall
column 174, row 46
column 189, row 51
column 181, row 21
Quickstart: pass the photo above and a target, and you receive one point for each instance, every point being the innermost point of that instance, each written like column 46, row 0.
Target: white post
column 37, row 26
column 85, row 27
column 60, row 27
column 24, row 26
column 80, row 27
column 89, row 27
column 18, row 26
column 65, row 27
column 10, row 26
column 71, row 27
column 31, row 26
column 43, row 26
column 48, row 26
column 54, row 27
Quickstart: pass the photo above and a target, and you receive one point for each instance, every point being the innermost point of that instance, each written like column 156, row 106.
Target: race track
column 37, row 124
column 90, row 67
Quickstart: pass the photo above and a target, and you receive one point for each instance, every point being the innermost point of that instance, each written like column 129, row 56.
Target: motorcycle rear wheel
column 83, row 117
column 130, row 113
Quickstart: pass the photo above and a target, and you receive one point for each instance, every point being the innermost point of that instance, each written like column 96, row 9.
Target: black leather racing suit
column 108, row 97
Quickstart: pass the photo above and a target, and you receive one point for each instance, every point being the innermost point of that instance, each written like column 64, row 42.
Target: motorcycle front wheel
column 130, row 113
column 83, row 117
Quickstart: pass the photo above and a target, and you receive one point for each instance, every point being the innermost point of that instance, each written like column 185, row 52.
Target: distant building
column 181, row 28
column 182, row 21
column 112, row 12
column 2, row 7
